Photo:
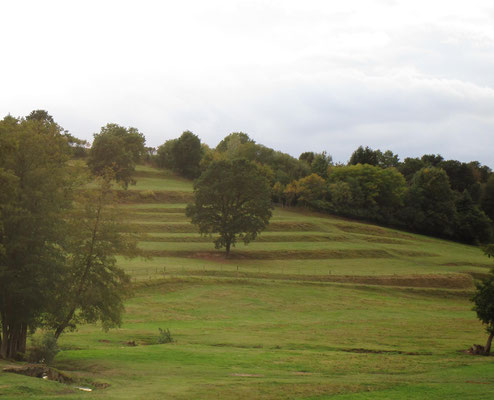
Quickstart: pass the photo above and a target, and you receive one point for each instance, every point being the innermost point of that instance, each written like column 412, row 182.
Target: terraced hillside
column 319, row 307
column 297, row 245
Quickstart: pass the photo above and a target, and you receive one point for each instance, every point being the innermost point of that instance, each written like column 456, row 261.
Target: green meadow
column 319, row 307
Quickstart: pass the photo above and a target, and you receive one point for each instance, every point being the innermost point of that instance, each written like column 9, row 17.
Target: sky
column 415, row 77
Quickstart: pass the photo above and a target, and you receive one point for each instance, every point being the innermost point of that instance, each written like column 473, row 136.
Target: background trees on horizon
column 457, row 203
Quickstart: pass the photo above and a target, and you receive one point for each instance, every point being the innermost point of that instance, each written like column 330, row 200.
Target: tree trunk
column 227, row 247
column 488, row 344
column 13, row 340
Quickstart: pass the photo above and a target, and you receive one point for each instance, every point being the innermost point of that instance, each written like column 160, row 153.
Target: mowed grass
column 254, row 339
column 319, row 307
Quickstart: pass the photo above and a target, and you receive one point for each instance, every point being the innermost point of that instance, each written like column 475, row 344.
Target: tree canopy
column 38, row 190
column 231, row 199
column 430, row 202
column 119, row 149
column 182, row 155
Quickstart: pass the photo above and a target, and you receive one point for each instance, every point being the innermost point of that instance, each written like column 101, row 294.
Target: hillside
column 296, row 243
column 319, row 307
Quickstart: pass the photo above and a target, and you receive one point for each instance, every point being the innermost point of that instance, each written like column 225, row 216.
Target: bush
column 44, row 349
column 165, row 336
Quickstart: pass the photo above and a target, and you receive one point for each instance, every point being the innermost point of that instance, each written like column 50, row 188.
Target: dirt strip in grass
column 262, row 238
column 272, row 227
column 427, row 281
column 275, row 254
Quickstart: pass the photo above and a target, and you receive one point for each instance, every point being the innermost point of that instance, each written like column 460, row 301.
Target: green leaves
column 119, row 149
column 233, row 199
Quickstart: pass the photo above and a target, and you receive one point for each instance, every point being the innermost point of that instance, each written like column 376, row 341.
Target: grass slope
column 320, row 307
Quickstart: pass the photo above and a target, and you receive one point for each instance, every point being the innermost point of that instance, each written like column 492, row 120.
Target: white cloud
column 415, row 77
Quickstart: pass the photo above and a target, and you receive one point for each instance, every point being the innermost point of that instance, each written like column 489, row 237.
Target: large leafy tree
column 182, row 155
column 37, row 192
column 231, row 199
column 119, row 149
column 187, row 152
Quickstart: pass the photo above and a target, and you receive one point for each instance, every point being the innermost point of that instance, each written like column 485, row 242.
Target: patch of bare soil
column 445, row 281
column 384, row 240
column 372, row 230
column 372, row 351
column 40, row 371
column 276, row 254
column 153, row 196
column 44, row 372
column 413, row 253
column 466, row 264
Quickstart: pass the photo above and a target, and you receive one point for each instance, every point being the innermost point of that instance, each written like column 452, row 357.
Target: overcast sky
column 411, row 76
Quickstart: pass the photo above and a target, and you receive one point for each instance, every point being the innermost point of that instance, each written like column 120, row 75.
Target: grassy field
column 318, row 308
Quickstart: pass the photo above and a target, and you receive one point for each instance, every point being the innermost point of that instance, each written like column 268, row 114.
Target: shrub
column 44, row 349
column 164, row 336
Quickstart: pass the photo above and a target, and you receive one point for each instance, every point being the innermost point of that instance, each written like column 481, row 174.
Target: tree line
column 427, row 194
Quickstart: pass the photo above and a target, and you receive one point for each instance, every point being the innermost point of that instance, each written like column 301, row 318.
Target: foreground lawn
column 240, row 338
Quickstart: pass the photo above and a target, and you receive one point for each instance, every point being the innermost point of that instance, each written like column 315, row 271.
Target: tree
column 238, row 145
column 388, row 159
column 432, row 160
column 308, row 157
column 182, row 155
column 309, row 189
column 40, row 116
column 117, row 148
column 278, row 193
column 232, row 199
column 431, row 207
column 410, row 166
column 484, row 302
column 38, row 191
column 368, row 191
column 461, row 175
column 488, row 198
column 165, row 157
column 364, row 156
column 233, row 141
column 472, row 224
column 321, row 163
column 93, row 287
column 187, row 153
